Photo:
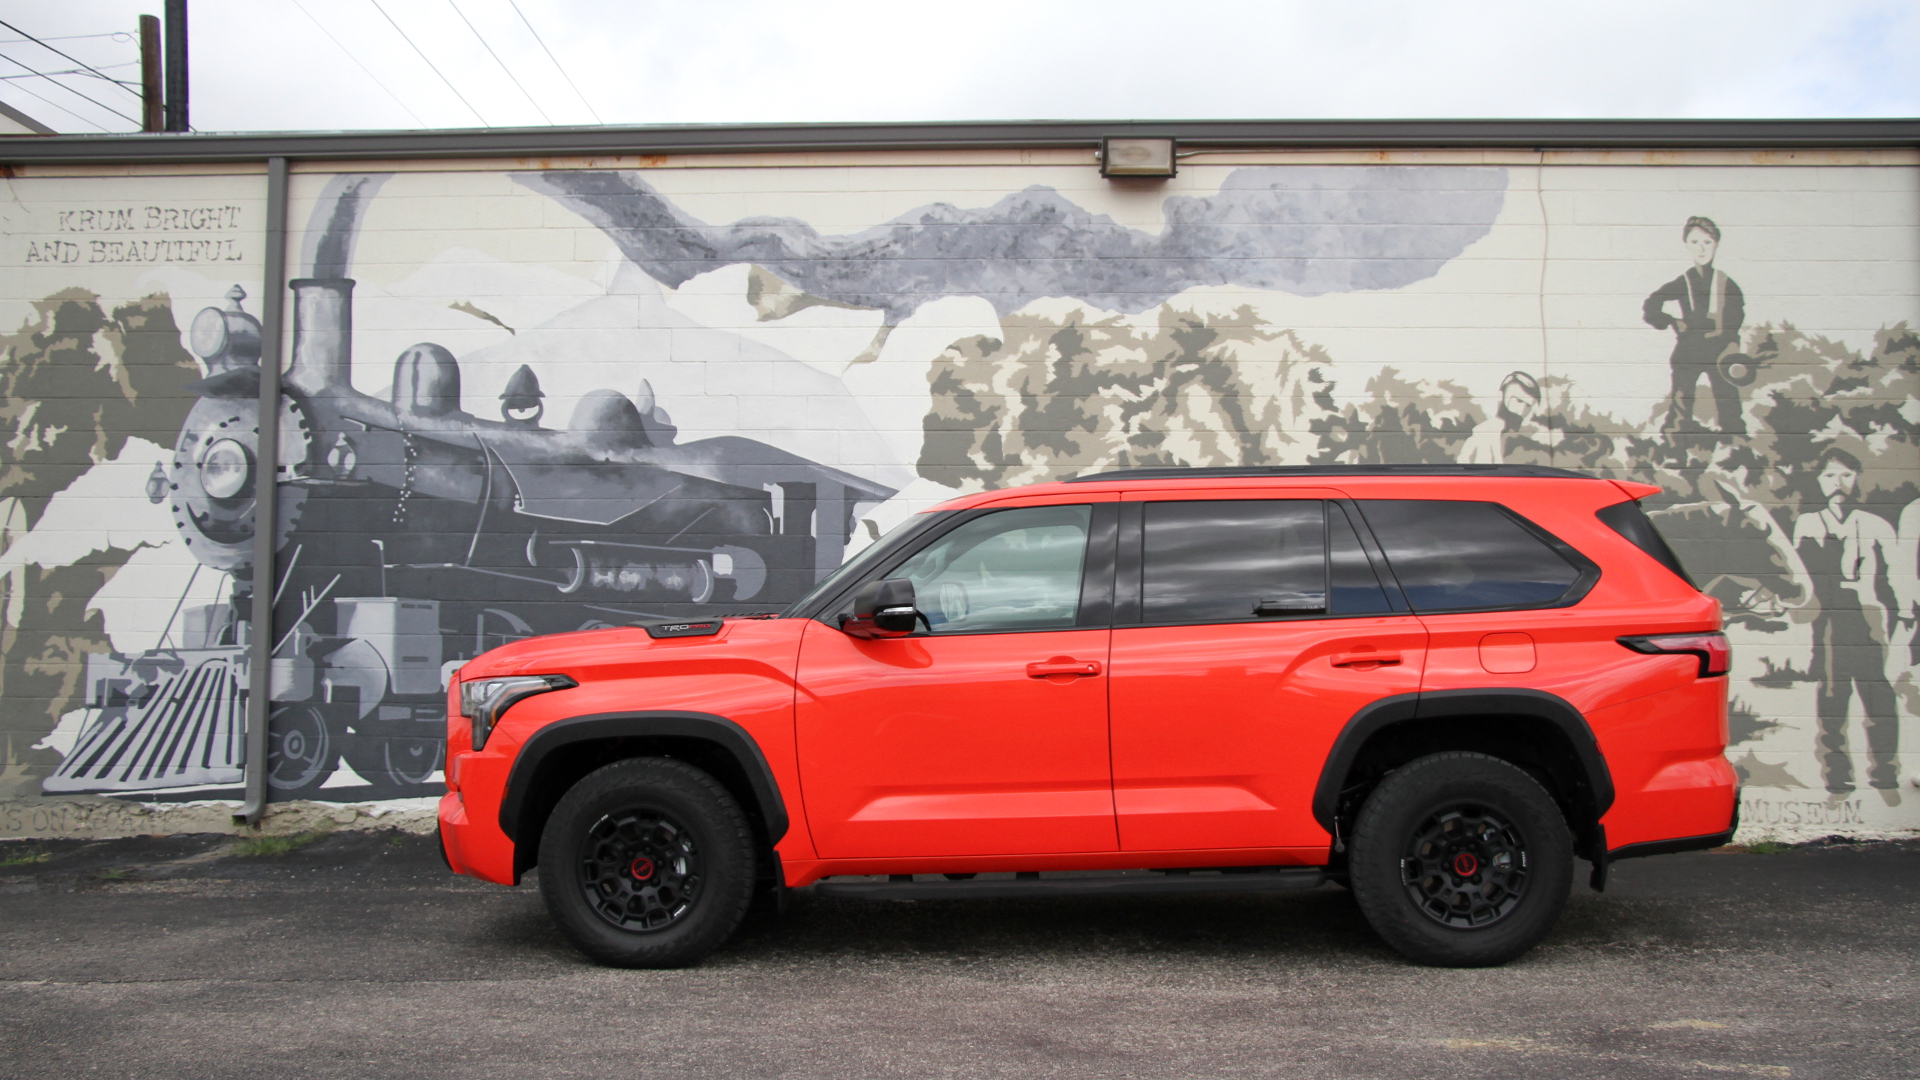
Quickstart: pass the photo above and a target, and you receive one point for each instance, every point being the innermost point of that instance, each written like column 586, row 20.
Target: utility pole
column 177, row 65
column 152, row 101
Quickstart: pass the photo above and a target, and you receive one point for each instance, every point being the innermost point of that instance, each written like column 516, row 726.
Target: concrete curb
column 84, row 817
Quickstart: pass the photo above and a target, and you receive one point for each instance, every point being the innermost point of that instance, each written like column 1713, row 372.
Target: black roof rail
column 1232, row 471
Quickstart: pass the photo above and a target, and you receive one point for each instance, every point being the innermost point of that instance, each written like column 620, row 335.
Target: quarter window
column 1630, row 521
column 1466, row 556
column 1231, row 561
column 1014, row 569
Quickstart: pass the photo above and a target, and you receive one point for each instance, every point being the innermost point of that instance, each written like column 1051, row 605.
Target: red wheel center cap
column 1465, row 864
column 642, row 868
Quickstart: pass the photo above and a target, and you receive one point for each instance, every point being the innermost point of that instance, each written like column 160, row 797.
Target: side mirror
column 882, row 609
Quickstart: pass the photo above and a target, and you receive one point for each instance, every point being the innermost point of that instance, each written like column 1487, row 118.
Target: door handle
column 1062, row 665
column 1365, row 661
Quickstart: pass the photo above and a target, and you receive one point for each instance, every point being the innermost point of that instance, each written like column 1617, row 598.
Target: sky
column 322, row 65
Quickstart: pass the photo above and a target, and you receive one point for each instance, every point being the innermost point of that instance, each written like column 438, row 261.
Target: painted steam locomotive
column 413, row 535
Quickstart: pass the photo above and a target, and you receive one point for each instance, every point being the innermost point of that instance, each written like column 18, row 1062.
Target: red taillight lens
column 1716, row 656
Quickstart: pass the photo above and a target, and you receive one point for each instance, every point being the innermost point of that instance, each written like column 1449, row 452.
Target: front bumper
column 474, row 848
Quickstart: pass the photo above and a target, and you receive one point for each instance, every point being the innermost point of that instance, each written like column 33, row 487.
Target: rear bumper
column 1684, row 843
column 1667, row 751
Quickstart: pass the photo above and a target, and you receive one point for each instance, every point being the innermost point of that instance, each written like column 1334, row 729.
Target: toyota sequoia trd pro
column 1436, row 685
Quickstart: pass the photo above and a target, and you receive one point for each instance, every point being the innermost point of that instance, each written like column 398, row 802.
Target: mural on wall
column 420, row 525
column 414, row 535
column 82, row 381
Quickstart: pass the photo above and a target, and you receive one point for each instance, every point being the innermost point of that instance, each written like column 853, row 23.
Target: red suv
column 1436, row 685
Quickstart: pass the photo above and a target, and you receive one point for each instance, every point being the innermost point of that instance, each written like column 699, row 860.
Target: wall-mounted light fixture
column 1136, row 158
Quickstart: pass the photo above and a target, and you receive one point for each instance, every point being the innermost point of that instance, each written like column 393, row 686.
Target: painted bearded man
column 1845, row 551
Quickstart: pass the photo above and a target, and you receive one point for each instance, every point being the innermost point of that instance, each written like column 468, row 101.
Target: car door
column 1248, row 627
column 985, row 733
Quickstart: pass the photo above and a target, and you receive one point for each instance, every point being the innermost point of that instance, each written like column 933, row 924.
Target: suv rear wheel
column 1461, row 860
column 647, row 863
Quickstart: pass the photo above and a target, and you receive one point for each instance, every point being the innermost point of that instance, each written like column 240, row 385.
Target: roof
column 15, row 122
column 186, row 147
column 1539, row 471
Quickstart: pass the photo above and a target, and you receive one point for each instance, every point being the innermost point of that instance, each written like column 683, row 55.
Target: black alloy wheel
column 1461, row 860
column 641, row 870
column 1466, row 866
column 647, row 863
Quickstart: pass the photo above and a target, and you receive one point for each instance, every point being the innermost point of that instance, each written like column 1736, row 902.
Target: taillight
column 1716, row 656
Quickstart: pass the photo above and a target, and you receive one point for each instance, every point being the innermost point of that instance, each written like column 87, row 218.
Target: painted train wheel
column 212, row 480
column 301, row 753
column 396, row 765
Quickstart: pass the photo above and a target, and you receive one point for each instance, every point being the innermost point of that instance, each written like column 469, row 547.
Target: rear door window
column 1232, row 560
column 1473, row 556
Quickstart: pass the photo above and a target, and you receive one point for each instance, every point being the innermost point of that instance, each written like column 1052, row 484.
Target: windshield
column 866, row 557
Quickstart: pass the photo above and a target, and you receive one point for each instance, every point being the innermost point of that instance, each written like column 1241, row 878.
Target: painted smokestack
column 322, row 336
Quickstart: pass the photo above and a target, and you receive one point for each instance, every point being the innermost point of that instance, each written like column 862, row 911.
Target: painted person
column 1845, row 552
column 1711, row 309
column 1520, row 397
column 1905, row 576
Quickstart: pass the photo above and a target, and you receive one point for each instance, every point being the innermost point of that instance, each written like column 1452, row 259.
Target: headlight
column 485, row 701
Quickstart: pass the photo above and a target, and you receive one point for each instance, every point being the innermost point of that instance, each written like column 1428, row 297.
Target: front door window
column 983, row 734
column 1014, row 570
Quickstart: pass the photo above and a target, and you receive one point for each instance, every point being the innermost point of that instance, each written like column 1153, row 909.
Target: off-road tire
column 1406, row 831
column 701, row 817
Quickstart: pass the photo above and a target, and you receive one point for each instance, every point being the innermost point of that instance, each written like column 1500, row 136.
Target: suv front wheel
column 1461, row 860
column 647, row 863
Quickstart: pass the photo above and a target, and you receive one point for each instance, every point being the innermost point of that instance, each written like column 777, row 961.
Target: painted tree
column 76, row 384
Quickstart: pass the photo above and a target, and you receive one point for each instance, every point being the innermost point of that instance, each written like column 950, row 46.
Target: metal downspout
column 273, row 288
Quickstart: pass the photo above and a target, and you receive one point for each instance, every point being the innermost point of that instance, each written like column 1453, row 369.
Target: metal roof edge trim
column 137, row 148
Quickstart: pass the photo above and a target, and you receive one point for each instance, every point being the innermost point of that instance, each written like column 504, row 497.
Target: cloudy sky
column 358, row 64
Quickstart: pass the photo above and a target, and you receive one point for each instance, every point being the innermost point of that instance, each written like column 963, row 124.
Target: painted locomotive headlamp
column 226, row 470
column 520, row 403
column 1701, row 244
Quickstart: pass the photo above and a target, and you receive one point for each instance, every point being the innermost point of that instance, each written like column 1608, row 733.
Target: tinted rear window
column 1630, row 521
column 1466, row 556
column 1216, row 561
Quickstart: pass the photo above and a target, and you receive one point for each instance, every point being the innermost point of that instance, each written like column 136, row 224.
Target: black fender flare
column 729, row 736
column 1441, row 704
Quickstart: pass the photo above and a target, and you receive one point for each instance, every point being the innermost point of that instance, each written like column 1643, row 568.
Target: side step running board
column 939, row 888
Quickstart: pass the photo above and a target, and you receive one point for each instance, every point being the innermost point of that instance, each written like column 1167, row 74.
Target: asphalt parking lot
column 359, row 956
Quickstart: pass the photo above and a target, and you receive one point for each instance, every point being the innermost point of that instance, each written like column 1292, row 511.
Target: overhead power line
column 556, row 62
column 77, row 71
column 343, row 48
column 57, row 52
column 497, row 60
column 85, row 120
column 72, row 91
column 117, row 35
column 436, row 71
